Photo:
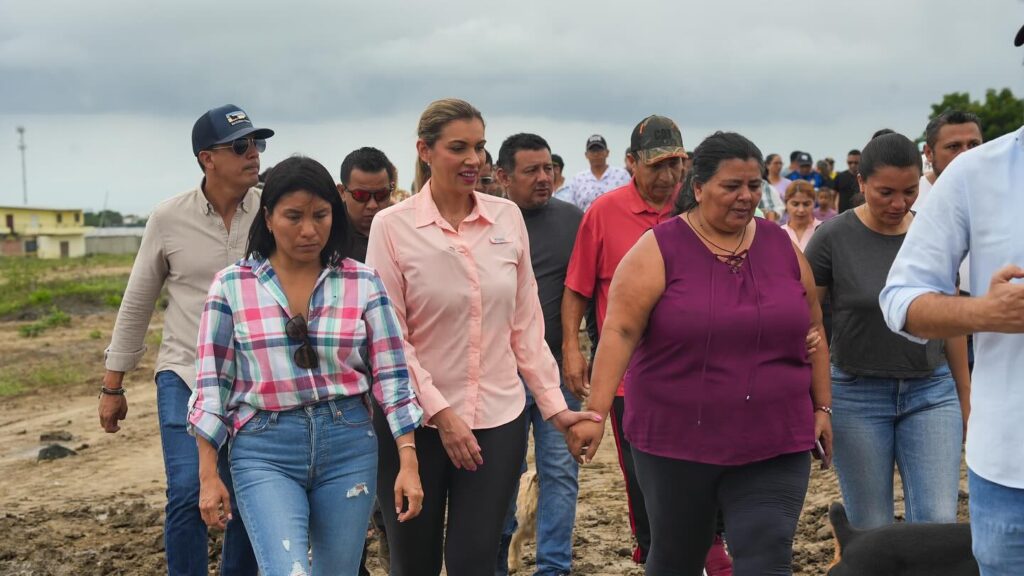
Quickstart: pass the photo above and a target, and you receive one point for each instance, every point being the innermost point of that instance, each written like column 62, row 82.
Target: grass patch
column 16, row 380
column 54, row 319
column 31, row 286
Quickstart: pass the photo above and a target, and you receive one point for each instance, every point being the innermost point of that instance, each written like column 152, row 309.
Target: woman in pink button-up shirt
column 456, row 264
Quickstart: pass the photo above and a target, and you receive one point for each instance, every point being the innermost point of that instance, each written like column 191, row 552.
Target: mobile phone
column 818, row 452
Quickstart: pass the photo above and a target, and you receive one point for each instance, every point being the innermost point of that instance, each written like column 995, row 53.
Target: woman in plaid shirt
column 290, row 343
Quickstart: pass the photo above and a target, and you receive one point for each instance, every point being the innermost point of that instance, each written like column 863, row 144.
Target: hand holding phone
column 819, row 453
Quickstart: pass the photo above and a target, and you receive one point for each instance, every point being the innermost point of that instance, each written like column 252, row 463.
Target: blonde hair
column 437, row 115
column 800, row 187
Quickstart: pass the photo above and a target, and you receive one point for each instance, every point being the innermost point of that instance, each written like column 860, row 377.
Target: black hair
column 555, row 159
column 487, row 156
column 891, row 149
column 931, row 132
column 794, row 155
column 515, row 143
column 767, row 160
column 263, row 175
column 882, row 132
column 369, row 160
column 853, row 152
column 707, row 158
column 291, row 175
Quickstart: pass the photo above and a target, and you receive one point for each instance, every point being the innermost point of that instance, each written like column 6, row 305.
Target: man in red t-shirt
column 614, row 222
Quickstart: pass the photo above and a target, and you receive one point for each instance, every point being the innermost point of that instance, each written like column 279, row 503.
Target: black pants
column 761, row 503
column 638, row 521
column 476, row 502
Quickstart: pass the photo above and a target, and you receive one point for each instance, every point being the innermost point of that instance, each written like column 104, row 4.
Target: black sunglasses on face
column 305, row 356
column 241, row 145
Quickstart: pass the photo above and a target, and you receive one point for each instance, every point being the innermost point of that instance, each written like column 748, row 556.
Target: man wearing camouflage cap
column 614, row 222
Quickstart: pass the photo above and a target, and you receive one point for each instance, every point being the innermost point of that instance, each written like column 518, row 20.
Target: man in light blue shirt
column 977, row 205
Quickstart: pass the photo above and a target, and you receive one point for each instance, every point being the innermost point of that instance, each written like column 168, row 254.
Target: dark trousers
column 475, row 502
column 638, row 521
column 761, row 503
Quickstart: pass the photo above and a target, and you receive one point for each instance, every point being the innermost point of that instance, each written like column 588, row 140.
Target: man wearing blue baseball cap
column 188, row 239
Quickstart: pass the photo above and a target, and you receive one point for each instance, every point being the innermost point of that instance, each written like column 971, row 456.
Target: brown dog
column 526, row 518
column 900, row 549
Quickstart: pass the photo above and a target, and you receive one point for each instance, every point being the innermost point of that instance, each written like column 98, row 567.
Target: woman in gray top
column 894, row 402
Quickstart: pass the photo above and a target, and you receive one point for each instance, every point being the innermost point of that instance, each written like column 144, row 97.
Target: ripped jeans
column 306, row 478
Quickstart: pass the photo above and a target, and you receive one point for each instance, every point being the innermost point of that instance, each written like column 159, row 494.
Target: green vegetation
column 54, row 319
column 1000, row 113
column 15, row 379
column 31, row 287
column 95, row 335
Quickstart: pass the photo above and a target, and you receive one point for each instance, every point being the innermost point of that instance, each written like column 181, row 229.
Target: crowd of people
column 333, row 352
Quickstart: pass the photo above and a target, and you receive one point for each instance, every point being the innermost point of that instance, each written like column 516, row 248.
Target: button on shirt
column 467, row 302
column 976, row 206
column 184, row 245
column 245, row 358
column 584, row 187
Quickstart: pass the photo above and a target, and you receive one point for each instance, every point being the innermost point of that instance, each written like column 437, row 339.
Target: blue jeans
column 185, row 536
column 913, row 423
column 306, row 478
column 557, row 475
column 997, row 526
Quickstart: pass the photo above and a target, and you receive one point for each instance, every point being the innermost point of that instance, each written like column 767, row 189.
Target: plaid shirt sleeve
column 215, row 367
column 390, row 384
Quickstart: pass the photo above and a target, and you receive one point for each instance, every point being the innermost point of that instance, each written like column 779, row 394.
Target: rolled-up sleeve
column 391, row 385
column 215, row 369
column 936, row 244
column 536, row 363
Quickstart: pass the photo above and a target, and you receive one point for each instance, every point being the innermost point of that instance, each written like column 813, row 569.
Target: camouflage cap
column 656, row 138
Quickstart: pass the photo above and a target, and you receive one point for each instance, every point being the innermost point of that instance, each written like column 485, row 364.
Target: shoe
column 718, row 562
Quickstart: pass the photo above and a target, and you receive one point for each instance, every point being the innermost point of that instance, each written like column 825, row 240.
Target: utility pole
column 24, row 177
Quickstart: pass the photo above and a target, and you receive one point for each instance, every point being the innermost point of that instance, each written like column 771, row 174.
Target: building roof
column 40, row 209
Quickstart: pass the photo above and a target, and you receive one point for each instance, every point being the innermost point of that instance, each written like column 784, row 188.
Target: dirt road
column 100, row 512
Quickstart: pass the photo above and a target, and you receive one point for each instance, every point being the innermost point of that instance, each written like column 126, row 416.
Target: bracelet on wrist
column 111, row 391
column 407, row 445
column 825, row 409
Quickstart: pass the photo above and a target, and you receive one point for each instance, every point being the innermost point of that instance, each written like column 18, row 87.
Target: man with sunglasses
column 487, row 181
column 367, row 184
column 188, row 239
column 367, row 187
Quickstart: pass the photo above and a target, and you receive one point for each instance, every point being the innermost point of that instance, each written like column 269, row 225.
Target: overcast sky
column 108, row 90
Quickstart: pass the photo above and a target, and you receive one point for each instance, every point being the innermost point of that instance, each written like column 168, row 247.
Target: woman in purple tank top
column 709, row 312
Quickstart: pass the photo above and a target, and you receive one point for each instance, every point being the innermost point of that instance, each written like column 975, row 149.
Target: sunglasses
column 363, row 196
column 487, row 180
column 241, row 145
column 305, row 357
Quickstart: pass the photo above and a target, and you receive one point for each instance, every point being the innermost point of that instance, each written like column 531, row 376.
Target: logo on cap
column 596, row 141
column 236, row 117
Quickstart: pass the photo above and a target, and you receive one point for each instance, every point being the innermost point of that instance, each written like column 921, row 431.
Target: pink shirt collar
column 427, row 212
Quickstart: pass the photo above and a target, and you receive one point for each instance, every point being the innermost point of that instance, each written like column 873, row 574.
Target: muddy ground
column 100, row 512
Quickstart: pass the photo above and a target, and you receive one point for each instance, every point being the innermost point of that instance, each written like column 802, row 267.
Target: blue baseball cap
column 222, row 125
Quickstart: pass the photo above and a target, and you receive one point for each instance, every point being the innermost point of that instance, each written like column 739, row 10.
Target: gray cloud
column 789, row 73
